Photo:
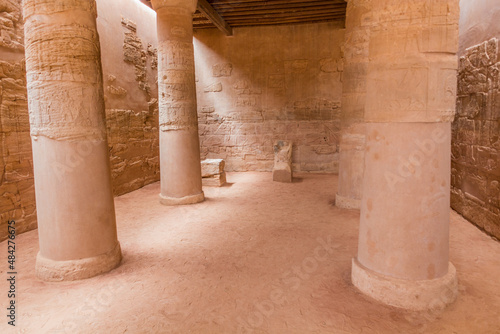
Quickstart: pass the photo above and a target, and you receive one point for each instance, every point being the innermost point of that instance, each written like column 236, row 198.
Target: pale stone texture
column 410, row 102
column 270, row 83
column 179, row 142
column 127, row 31
column 282, row 169
column 212, row 172
column 11, row 27
column 211, row 167
column 76, row 216
column 17, row 191
column 352, row 141
column 131, row 110
column 475, row 141
column 478, row 22
column 215, row 180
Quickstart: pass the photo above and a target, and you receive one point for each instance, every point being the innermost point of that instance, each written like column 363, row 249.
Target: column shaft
column 179, row 142
column 352, row 142
column 410, row 101
column 76, row 217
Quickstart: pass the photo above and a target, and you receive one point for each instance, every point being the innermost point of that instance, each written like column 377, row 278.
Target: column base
column 192, row 199
column 410, row 295
column 347, row 203
column 72, row 270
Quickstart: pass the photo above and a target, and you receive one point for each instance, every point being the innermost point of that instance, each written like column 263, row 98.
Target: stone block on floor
column 211, row 167
column 212, row 172
column 214, row 181
column 282, row 170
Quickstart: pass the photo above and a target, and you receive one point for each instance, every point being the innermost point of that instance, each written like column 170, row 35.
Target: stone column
column 411, row 90
column 352, row 142
column 76, row 216
column 180, row 166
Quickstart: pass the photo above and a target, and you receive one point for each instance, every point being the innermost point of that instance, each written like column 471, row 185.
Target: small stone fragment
column 282, row 171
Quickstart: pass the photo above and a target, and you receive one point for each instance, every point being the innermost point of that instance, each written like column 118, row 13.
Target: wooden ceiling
column 227, row 14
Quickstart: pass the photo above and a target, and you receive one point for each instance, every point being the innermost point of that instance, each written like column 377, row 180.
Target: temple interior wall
column 270, row 83
column 475, row 180
column 17, row 190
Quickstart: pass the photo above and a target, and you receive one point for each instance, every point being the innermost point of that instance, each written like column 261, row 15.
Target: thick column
column 410, row 102
column 352, row 142
column 76, row 216
column 180, row 166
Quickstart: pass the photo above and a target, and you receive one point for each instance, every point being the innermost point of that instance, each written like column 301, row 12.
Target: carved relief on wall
column 11, row 25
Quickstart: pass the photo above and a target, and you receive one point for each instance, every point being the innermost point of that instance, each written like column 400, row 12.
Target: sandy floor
column 256, row 257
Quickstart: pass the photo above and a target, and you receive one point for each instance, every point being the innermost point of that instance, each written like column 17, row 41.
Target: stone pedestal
column 179, row 142
column 212, row 172
column 352, row 141
column 76, row 217
column 282, row 170
column 410, row 101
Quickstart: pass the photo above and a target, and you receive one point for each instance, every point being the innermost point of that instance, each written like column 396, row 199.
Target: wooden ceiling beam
column 210, row 13
column 270, row 8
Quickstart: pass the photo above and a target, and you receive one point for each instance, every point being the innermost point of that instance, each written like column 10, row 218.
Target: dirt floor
column 255, row 257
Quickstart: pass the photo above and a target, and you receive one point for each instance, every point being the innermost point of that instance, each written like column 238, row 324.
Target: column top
column 187, row 4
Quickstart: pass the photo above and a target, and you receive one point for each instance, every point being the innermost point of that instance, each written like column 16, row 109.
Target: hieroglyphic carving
column 222, row 70
column 277, row 81
column 296, row 66
column 177, row 55
column 213, row 88
column 177, row 86
column 475, row 138
column 64, row 77
column 330, row 65
column 49, row 7
column 411, row 73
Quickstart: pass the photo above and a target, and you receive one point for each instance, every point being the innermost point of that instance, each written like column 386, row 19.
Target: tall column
column 76, row 216
column 352, row 142
column 411, row 90
column 180, row 166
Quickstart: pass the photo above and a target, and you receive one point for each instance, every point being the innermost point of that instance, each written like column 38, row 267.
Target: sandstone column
column 76, row 217
column 179, row 142
column 352, row 142
column 410, row 102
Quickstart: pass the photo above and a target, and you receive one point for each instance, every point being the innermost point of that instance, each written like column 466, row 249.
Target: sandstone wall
column 476, row 129
column 127, row 31
column 270, row 83
column 17, row 192
column 476, row 138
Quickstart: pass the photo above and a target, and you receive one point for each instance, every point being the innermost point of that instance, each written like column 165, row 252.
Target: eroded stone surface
column 410, row 102
column 269, row 95
column 282, row 169
column 127, row 33
column 17, row 192
column 180, row 166
column 352, row 117
column 212, row 172
column 70, row 151
column 476, row 138
column 211, row 167
column 215, row 180
column 11, row 25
